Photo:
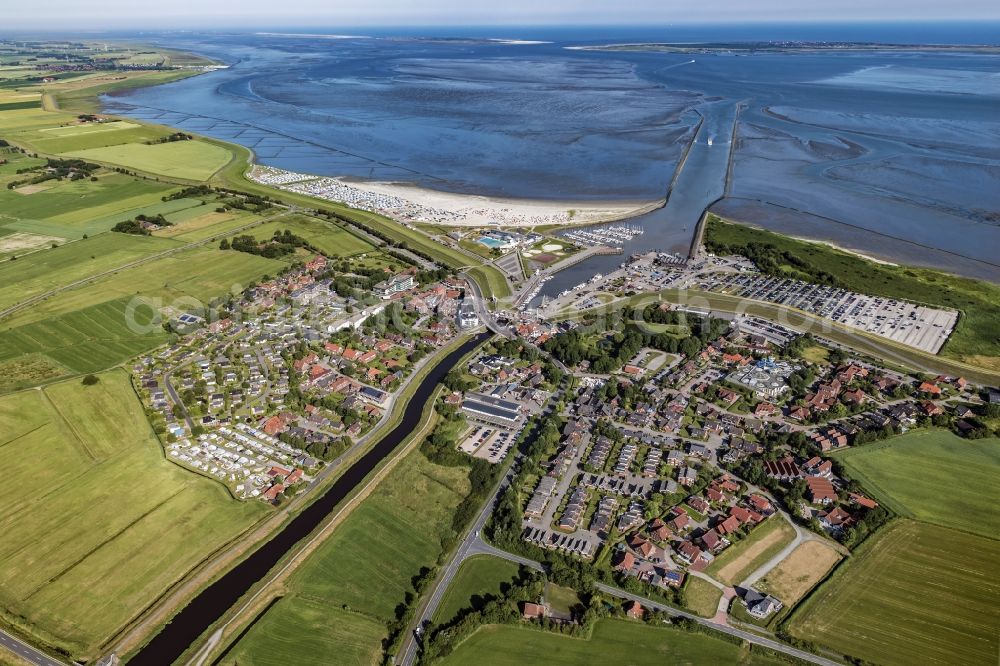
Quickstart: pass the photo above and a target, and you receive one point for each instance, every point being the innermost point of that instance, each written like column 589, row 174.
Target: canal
column 212, row 602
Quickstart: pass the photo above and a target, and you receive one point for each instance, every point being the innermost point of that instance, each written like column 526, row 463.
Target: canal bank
column 219, row 597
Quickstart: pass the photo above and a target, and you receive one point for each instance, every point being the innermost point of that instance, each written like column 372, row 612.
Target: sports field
column 96, row 523
column 478, row 577
column 741, row 559
column 934, row 476
column 912, row 594
column 366, row 565
column 613, row 642
column 191, row 160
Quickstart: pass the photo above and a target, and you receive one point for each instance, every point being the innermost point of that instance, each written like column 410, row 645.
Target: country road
column 26, row 652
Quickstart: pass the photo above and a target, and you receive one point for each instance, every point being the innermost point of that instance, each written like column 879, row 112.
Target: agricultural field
column 311, row 631
column 200, row 273
column 190, row 160
column 105, row 512
column 39, row 272
column 701, row 597
column 85, row 136
column 331, row 239
column 743, row 557
column 70, row 209
column 612, row 642
column 366, row 565
column 478, row 577
column 799, row 572
column 202, row 224
column 934, row 476
column 85, row 340
column 912, row 594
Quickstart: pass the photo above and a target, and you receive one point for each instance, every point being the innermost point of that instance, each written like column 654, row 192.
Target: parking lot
column 488, row 442
column 910, row 324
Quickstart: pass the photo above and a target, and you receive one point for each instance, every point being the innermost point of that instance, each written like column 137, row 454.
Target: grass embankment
column 612, row 642
column 741, row 559
column 912, row 594
column 97, row 524
column 933, row 476
column 478, row 578
column 976, row 339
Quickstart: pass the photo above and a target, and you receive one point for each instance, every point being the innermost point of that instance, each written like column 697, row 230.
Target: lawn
column 976, row 338
column 701, row 597
column 912, row 594
column 479, row 577
column 561, row 599
column 743, row 557
column 799, row 572
column 366, row 565
column 191, row 160
column 933, row 476
column 105, row 525
column 612, row 642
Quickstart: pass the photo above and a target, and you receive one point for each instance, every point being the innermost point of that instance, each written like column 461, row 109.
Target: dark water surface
column 893, row 152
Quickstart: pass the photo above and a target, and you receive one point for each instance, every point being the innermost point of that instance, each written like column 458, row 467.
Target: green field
column 613, row 642
column 701, row 597
column 912, row 594
column 40, row 272
column 96, row 523
column 85, row 340
column 190, row 160
column 934, row 476
column 313, row 632
column 72, row 208
column 976, row 338
column 741, row 559
column 69, row 138
column 201, row 273
column 478, row 577
column 365, row 567
column 329, row 238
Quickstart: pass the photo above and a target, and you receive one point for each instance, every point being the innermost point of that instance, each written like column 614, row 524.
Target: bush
column 90, row 380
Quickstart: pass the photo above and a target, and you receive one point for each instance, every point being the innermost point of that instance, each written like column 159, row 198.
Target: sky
column 209, row 14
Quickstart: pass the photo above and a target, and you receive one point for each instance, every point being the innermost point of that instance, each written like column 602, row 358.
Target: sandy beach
column 410, row 203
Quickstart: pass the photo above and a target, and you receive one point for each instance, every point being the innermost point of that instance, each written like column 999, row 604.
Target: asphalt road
column 26, row 652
